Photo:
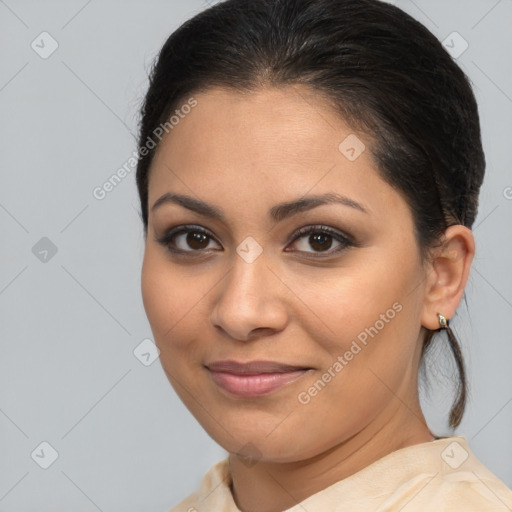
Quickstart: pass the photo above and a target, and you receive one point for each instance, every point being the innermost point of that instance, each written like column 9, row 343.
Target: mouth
column 255, row 378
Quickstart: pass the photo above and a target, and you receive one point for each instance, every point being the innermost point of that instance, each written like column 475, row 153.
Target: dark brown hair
column 384, row 73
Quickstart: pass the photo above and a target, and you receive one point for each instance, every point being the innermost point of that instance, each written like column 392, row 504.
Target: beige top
column 442, row 475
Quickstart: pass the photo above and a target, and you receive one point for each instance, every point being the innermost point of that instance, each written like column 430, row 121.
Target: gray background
column 70, row 321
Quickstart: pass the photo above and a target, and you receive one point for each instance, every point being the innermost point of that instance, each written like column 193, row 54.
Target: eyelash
column 345, row 241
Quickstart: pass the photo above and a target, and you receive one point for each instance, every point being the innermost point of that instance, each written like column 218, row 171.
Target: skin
column 295, row 303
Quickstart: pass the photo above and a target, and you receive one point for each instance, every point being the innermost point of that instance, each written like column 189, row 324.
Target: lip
column 254, row 378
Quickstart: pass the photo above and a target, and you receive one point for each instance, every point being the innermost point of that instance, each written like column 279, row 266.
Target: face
column 281, row 275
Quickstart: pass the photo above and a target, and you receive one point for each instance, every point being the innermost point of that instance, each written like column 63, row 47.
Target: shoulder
column 213, row 494
column 457, row 482
column 464, row 491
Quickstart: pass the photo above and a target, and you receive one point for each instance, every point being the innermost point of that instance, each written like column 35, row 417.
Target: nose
column 250, row 301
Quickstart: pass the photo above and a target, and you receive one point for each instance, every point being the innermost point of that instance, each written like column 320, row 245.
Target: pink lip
column 253, row 379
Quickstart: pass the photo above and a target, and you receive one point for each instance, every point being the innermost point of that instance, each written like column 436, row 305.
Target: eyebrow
column 277, row 213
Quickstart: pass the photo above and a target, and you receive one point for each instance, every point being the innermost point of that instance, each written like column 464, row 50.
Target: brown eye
column 187, row 240
column 320, row 239
column 196, row 240
column 320, row 242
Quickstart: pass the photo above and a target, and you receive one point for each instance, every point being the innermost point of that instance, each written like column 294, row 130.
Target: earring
column 443, row 321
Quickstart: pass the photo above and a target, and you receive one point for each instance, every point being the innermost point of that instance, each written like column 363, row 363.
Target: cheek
column 367, row 368
column 163, row 297
column 372, row 321
column 173, row 301
column 155, row 293
column 348, row 302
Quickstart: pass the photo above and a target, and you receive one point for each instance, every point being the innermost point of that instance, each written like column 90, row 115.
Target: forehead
column 289, row 124
column 269, row 145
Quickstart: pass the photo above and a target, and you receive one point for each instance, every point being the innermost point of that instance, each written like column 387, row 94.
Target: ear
column 448, row 275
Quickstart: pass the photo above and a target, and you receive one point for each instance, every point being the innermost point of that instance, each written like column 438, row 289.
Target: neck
column 273, row 487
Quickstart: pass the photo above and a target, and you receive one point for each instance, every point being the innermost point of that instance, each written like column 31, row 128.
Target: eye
column 195, row 239
column 321, row 239
column 187, row 239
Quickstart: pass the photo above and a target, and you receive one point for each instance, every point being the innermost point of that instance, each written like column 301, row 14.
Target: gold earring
column 443, row 321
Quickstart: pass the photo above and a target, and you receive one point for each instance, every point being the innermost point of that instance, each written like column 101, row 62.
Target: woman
column 309, row 176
